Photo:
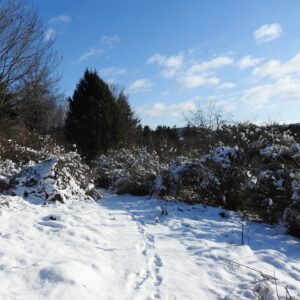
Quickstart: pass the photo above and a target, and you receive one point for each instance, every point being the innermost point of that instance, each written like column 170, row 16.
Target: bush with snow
column 59, row 178
column 128, row 171
column 28, row 146
column 257, row 173
column 254, row 174
column 291, row 214
column 8, row 170
column 46, row 173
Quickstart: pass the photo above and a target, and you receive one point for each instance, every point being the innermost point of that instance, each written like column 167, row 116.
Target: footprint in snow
column 51, row 224
column 52, row 218
column 51, row 221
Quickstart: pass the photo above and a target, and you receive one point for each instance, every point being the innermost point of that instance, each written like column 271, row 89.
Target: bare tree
column 209, row 116
column 207, row 119
column 27, row 59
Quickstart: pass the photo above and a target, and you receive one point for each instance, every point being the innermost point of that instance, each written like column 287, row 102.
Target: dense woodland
column 213, row 159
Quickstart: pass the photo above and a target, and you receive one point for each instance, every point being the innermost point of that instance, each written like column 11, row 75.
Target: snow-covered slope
column 122, row 248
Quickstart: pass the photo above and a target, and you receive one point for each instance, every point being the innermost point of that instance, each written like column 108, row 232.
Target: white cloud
column 248, row 62
column 109, row 41
column 49, row 34
column 174, row 61
column 282, row 83
column 90, row 53
column 170, row 64
column 275, row 68
column 213, row 64
column 284, row 89
column 113, row 72
column 257, row 97
column 197, row 74
column 190, row 75
column 63, row 19
column 140, row 85
column 194, row 81
column 162, row 109
column 227, row 85
column 267, row 33
column 106, row 42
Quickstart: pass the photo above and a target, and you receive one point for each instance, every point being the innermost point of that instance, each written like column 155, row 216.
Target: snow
column 122, row 248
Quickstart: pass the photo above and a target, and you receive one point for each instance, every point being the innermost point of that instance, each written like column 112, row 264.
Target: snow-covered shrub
column 223, row 177
column 253, row 173
column 59, row 178
column 291, row 216
column 130, row 171
column 28, row 146
column 211, row 179
column 268, row 195
column 8, row 170
column 181, row 180
column 36, row 167
column 253, row 176
column 259, row 180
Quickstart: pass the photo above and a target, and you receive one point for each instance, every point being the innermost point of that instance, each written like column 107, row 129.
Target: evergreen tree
column 147, row 136
column 93, row 121
column 128, row 122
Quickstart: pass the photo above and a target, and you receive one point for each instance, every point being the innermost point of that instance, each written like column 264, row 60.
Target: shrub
column 24, row 146
column 60, row 178
column 46, row 172
column 130, row 171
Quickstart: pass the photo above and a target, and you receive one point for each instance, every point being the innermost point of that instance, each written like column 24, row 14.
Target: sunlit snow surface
column 122, row 248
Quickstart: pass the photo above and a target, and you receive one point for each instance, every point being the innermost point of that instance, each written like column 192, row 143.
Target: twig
column 255, row 270
column 164, row 212
column 276, row 287
column 288, row 293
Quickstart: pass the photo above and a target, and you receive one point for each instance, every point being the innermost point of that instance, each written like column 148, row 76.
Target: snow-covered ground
column 122, row 248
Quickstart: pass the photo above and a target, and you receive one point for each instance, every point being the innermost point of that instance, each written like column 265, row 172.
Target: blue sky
column 174, row 55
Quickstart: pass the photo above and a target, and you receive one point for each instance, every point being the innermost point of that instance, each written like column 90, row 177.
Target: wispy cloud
column 49, row 34
column 140, row 85
column 113, row 72
column 283, row 89
column 196, row 80
column 170, row 64
column 267, row 33
column 105, row 43
column 161, row 109
column 227, row 85
column 248, row 62
column 275, row 68
column 62, row 19
column 202, row 73
column 278, row 81
column 190, row 75
column 210, row 65
column 109, row 41
column 92, row 52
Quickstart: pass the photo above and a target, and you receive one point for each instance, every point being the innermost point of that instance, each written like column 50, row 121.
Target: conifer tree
column 128, row 122
column 93, row 121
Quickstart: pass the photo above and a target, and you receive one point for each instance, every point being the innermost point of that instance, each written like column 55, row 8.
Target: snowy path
column 120, row 249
